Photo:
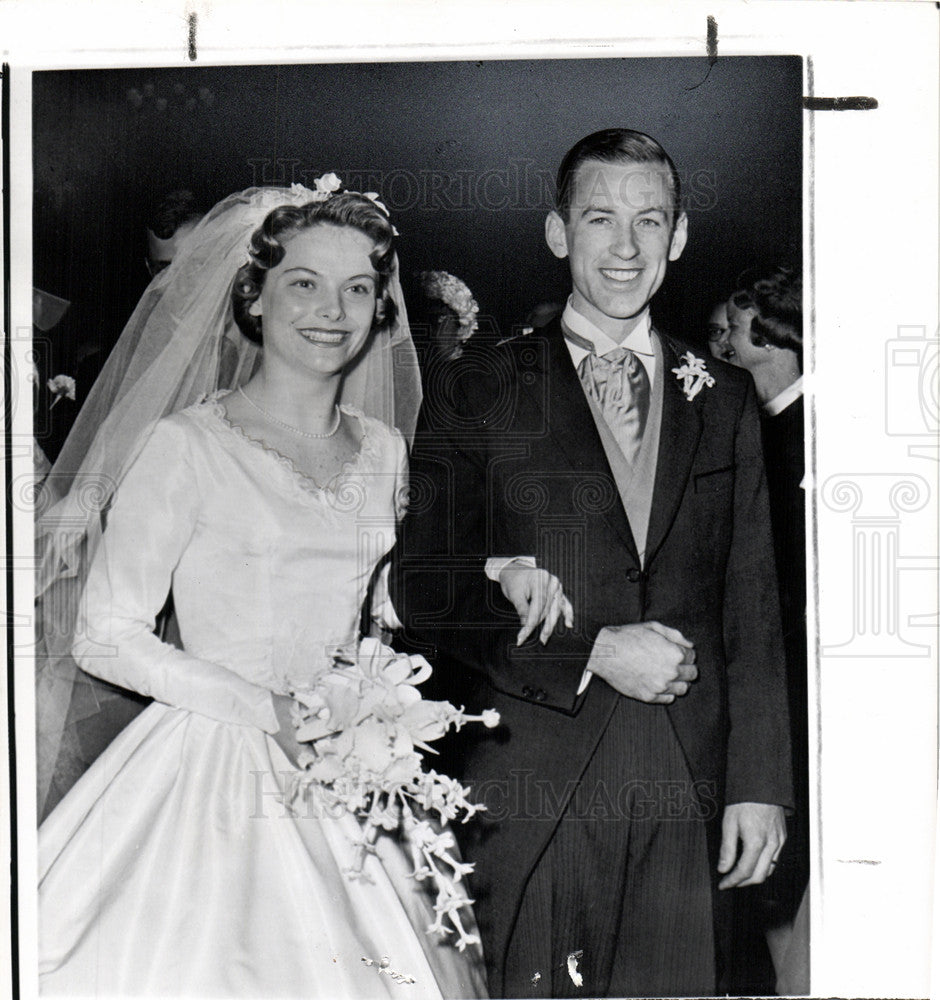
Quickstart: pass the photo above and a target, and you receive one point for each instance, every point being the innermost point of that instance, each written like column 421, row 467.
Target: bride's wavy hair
column 266, row 250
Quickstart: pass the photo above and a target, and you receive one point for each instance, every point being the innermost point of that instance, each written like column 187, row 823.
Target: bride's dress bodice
column 277, row 569
column 268, row 571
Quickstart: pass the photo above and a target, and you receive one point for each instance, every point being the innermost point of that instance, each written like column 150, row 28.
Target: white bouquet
column 364, row 722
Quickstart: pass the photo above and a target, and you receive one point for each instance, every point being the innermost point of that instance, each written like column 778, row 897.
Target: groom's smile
column 620, row 275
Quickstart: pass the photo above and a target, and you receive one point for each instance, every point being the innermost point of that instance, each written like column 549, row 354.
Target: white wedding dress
column 172, row 868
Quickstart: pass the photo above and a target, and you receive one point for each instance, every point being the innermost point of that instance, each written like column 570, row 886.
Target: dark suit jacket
column 507, row 461
column 783, row 454
column 782, row 437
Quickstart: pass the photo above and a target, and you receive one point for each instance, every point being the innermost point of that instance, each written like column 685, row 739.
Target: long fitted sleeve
column 383, row 610
column 758, row 766
column 156, row 510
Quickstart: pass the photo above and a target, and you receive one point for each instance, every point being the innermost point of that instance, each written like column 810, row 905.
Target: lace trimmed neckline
column 368, row 446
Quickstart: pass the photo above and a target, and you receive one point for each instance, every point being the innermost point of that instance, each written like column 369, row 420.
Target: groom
column 642, row 761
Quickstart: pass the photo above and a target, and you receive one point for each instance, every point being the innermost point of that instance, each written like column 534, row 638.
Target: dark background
column 463, row 153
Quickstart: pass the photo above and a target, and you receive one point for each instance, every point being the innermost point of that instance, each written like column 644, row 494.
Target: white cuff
column 496, row 564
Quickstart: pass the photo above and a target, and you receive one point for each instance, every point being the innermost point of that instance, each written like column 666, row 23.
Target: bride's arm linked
column 452, row 582
column 149, row 527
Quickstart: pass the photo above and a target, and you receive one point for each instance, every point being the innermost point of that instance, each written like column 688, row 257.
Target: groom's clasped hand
column 647, row 661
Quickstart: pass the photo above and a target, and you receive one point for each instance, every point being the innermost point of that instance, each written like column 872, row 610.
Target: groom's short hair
column 614, row 145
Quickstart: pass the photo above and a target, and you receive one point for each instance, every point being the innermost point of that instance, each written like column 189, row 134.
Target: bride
column 173, row 866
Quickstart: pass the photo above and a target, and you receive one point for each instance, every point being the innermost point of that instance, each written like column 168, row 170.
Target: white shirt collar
column 637, row 340
column 783, row 399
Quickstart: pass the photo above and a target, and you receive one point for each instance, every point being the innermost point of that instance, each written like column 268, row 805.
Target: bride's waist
column 276, row 663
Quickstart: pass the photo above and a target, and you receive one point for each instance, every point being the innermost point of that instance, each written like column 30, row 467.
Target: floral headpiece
column 450, row 290
column 324, row 187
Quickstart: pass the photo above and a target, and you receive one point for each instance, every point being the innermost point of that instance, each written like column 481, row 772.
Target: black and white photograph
column 443, row 560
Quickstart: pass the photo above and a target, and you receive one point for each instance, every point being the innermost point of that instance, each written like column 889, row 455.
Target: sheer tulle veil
column 180, row 344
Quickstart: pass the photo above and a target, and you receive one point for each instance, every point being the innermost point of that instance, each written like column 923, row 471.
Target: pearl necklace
column 288, row 427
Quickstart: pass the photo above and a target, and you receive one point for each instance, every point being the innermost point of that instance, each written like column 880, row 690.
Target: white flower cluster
column 61, row 385
column 364, row 721
column 450, row 290
column 327, row 185
column 323, row 188
column 694, row 375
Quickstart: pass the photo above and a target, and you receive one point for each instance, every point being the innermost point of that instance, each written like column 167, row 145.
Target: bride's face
column 318, row 304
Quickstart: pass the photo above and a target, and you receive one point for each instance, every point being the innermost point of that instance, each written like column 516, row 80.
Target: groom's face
column 620, row 232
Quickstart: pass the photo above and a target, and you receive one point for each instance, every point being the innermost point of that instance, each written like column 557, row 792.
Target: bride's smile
column 326, row 338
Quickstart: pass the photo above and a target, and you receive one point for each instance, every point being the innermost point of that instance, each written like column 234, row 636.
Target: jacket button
column 540, row 695
column 634, row 575
column 526, row 691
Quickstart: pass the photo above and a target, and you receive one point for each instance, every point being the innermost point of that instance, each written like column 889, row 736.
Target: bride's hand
column 286, row 737
column 537, row 596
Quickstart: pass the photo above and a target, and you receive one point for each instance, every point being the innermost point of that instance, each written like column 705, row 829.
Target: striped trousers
column 620, row 903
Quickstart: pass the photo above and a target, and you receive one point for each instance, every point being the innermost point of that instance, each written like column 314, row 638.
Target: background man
column 717, row 331
column 766, row 339
column 645, row 751
column 174, row 218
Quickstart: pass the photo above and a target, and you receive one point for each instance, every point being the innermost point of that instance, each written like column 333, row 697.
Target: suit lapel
column 570, row 423
column 678, row 439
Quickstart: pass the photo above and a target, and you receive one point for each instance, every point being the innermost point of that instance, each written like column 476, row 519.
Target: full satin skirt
column 173, row 868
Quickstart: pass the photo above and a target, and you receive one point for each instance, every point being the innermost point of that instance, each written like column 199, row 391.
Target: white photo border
column 871, row 261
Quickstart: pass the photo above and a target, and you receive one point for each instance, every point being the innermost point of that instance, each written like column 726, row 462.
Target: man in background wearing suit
column 765, row 337
column 642, row 761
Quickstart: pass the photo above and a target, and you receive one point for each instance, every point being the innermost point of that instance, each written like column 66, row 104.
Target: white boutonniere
column 693, row 374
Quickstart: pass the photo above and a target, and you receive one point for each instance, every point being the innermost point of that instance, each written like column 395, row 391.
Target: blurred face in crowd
column 742, row 351
column 160, row 253
column 718, row 331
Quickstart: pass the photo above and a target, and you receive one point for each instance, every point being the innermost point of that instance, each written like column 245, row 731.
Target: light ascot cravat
column 584, row 341
column 615, row 376
column 618, row 383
